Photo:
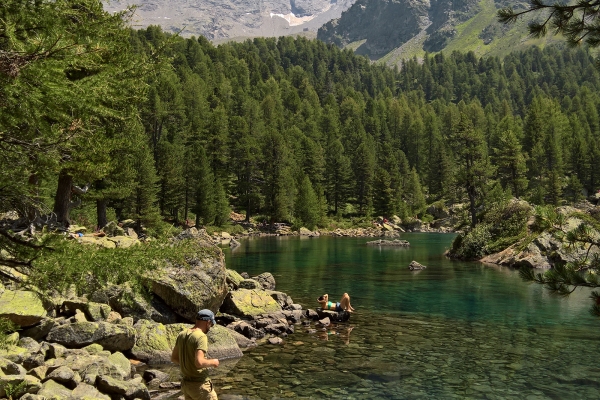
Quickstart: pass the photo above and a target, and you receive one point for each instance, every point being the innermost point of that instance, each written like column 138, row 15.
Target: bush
column 64, row 263
column 6, row 328
column 472, row 245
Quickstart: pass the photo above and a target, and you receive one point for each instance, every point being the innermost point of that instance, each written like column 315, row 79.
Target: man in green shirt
column 190, row 353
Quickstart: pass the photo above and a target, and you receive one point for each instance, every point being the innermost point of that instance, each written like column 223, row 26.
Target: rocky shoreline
column 100, row 346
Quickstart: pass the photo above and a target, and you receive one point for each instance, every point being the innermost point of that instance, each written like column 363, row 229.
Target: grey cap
column 206, row 315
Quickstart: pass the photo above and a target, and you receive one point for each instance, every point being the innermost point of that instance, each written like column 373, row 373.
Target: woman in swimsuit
column 343, row 305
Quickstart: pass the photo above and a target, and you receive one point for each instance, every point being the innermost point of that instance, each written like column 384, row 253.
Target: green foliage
column 474, row 244
column 6, row 328
column 64, row 263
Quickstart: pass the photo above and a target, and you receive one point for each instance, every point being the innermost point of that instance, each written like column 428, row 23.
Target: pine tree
column 307, row 204
column 204, row 204
column 221, row 206
column 473, row 169
column 384, row 202
column 512, row 169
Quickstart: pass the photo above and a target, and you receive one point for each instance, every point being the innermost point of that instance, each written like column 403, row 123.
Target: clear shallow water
column 453, row 330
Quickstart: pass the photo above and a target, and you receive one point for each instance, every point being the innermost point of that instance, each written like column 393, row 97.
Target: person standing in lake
column 190, row 353
column 342, row 305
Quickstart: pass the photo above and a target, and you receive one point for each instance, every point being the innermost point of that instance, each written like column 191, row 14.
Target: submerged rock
column 395, row 242
column 415, row 266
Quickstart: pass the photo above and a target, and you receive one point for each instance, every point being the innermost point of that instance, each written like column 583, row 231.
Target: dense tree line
column 287, row 129
column 298, row 130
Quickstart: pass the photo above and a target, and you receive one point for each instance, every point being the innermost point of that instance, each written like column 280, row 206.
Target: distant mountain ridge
column 392, row 30
column 226, row 19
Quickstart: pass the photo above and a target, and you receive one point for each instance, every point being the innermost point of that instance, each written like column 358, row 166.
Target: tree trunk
column 472, row 197
column 62, row 200
column 101, row 213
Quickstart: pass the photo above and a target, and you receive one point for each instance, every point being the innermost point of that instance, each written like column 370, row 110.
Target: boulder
column 242, row 341
column 88, row 392
column 40, row 330
column 281, row 298
column 305, row 232
column 80, row 334
column 133, row 389
column 266, row 279
column 113, row 229
column 154, row 341
column 54, row 390
column 124, row 241
column 151, row 374
column 127, row 302
column 333, row 316
column 98, row 241
column 415, row 266
column 38, row 372
column 15, row 354
column 89, row 366
column 65, row 376
column 248, row 303
column 22, row 307
column 93, row 311
column 250, row 284
column 189, row 288
column 222, row 344
column 233, row 278
column 19, row 385
column 247, row 330
column 11, row 368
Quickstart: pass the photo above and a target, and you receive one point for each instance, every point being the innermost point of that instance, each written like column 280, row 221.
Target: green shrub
column 474, row 244
column 88, row 268
column 6, row 328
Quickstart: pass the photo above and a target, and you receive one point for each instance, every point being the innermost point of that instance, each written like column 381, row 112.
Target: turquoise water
column 453, row 330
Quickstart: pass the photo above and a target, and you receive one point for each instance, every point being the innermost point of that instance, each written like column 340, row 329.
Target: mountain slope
column 393, row 30
column 225, row 19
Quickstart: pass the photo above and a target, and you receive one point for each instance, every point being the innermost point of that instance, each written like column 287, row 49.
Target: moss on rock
column 248, row 303
column 23, row 308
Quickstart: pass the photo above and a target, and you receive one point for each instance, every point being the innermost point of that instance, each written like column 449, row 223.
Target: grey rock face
column 267, row 280
column 187, row 289
column 80, row 334
column 236, row 18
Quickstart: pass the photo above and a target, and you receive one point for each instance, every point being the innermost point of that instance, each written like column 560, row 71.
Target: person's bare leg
column 345, row 303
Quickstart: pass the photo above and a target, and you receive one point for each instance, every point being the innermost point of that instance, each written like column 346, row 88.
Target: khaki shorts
column 198, row 390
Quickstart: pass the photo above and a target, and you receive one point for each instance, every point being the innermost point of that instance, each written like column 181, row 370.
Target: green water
column 453, row 330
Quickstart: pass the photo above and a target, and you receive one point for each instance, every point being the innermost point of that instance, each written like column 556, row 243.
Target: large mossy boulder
column 222, row 344
column 130, row 303
column 89, row 366
column 200, row 283
column 155, row 342
column 22, row 307
column 233, row 278
column 248, row 303
column 112, row 337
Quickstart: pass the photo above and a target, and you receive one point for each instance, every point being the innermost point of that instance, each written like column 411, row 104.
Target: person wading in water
column 190, row 353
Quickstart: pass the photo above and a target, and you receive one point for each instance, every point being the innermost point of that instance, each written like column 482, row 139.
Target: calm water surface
column 453, row 330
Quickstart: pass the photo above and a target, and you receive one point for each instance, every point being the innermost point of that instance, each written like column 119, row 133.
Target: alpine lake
column 456, row 329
